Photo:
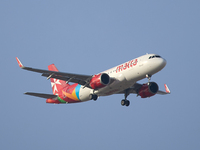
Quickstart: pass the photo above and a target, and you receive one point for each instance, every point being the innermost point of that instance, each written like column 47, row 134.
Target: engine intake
column 148, row 89
column 99, row 81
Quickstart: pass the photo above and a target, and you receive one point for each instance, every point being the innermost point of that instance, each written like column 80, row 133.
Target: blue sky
column 88, row 37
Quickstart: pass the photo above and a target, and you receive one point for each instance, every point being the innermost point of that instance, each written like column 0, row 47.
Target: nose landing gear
column 148, row 76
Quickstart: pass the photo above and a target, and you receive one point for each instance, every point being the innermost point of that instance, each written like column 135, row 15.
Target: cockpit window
column 154, row 56
column 157, row 56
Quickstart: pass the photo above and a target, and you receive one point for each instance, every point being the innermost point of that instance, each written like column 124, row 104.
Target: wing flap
column 70, row 78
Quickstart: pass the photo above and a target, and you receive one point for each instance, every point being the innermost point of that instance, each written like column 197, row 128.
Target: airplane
column 121, row 79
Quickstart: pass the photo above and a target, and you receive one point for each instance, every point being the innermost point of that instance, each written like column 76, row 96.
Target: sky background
column 88, row 37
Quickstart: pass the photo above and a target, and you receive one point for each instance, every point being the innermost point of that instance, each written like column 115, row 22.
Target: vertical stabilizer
column 56, row 84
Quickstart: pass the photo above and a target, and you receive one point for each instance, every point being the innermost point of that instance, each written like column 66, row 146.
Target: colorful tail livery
column 56, row 84
column 121, row 79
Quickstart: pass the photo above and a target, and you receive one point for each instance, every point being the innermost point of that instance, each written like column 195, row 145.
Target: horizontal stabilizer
column 42, row 95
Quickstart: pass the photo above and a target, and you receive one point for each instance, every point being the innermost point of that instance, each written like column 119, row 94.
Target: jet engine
column 99, row 81
column 148, row 90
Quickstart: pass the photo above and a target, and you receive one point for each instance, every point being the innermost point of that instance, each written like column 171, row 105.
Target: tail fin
column 56, row 84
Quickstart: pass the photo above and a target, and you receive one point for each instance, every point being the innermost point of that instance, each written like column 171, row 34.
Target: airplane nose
column 163, row 62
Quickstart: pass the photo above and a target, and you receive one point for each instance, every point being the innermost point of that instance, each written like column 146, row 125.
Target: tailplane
column 56, row 84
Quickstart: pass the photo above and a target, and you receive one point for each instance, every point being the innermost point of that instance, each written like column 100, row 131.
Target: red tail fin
column 56, row 84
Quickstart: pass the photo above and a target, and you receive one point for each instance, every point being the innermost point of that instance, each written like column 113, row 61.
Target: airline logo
column 54, row 84
column 127, row 65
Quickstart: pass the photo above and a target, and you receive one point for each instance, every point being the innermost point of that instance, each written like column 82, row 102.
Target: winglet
column 167, row 89
column 19, row 63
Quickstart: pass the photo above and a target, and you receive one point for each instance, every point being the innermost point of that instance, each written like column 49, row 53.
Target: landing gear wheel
column 125, row 102
column 93, row 96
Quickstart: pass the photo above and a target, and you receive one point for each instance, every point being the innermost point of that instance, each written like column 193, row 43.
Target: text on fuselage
column 127, row 65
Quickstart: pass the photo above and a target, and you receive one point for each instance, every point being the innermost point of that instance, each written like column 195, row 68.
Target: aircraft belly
column 113, row 88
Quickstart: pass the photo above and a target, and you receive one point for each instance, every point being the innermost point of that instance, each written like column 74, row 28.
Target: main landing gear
column 93, row 96
column 126, row 102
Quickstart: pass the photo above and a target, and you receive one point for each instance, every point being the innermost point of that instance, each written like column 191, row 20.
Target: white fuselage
column 127, row 74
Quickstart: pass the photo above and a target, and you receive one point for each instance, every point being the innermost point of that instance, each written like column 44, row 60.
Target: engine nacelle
column 148, row 90
column 99, row 81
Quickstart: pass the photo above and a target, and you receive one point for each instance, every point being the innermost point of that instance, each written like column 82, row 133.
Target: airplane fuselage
column 126, row 75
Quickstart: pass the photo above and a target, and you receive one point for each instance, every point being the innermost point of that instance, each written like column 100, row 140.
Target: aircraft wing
column 167, row 91
column 69, row 77
column 41, row 95
column 135, row 88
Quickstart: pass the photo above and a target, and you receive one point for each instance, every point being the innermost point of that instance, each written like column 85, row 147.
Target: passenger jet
column 121, row 79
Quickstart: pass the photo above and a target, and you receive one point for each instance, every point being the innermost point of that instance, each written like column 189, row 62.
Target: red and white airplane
column 121, row 79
